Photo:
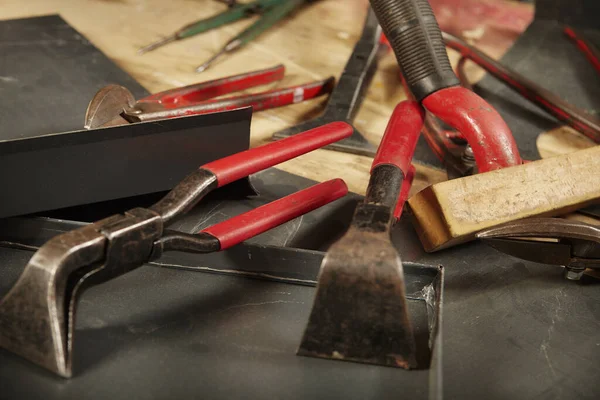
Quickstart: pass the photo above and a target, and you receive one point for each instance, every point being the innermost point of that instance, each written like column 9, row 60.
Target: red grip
column 400, row 137
column 199, row 92
column 237, row 166
column 261, row 219
column 488, row 135
column 404, row 190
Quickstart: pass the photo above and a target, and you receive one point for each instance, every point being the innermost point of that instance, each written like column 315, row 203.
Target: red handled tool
column 115, row 105
column 37, row 315
column 416, row 39
column 360, row 311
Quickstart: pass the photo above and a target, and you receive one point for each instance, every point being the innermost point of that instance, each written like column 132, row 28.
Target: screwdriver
column 234, row 13
column 268, row 19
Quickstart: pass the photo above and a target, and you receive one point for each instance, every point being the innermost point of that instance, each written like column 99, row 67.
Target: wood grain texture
column 313, row 44
column 452, row 212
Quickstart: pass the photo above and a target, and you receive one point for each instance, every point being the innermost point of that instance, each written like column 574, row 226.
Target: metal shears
column 115, row 105
column 556, row 241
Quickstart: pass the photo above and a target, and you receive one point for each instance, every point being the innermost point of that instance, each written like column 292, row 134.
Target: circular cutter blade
column 106, row 107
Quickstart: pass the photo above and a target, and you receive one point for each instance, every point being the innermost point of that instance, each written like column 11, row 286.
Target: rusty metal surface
column 106, row 107
column 360, row 312
column 37, row 315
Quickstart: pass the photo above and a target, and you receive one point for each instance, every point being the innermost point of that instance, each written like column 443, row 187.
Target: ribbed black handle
column 415, row 36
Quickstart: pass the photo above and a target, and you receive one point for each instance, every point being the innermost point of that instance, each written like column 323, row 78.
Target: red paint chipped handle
column 237, row 166
column 488, row 135
column 404, row 191
column 199, row 92
column 400, row 138
column 245, row 226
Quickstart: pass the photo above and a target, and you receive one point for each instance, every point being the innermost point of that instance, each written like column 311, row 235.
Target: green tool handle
column 268, row 19
column 235, row 13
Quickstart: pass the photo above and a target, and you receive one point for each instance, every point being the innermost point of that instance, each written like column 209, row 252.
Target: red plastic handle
column 259, row 101
column 242, row 227
column 199, row 92
column 404, row 191
column 237, row 166
column 400, row 138
column 488, row 135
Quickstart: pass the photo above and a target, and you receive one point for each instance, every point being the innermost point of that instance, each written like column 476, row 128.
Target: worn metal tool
column 37, row 315
column 115, row 105
column 360, row 311
column 453, row 212
column 235, row 12
column 575, row 244
column 348, row 95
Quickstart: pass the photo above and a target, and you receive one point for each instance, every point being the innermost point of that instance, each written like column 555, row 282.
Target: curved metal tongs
column 115, row 105
column 576, row 245
column 37, row 315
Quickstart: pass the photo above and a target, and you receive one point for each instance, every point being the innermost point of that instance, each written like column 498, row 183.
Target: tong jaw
column 37, row 315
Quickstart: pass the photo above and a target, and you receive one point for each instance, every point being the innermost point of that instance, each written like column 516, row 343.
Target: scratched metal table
column 511, row 329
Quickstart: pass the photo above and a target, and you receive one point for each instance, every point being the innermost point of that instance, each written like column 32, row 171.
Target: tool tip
column 202, row 67
column 156, row 44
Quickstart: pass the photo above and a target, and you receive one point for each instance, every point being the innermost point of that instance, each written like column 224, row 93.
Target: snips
column 115, row 105
column 556, row 241
column 37, row 315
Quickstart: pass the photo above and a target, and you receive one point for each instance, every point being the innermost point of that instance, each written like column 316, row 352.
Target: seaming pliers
column 556, row 241
column 115, row 105
column 271, row 11
column 37, row 315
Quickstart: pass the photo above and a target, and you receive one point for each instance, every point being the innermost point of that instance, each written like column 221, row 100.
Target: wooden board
column 453, row 212
column 309, row 50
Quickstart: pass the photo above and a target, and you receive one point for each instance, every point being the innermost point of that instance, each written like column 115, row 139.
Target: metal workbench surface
column 511, row 329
